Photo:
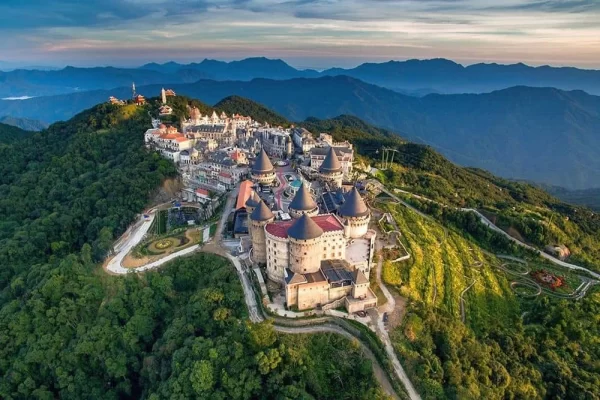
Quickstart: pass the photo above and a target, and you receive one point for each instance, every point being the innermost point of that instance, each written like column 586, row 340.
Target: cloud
column 85, row 31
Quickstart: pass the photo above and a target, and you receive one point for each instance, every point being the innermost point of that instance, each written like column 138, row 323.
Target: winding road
column 137, row 232
column 486, row 222
column 378, row 371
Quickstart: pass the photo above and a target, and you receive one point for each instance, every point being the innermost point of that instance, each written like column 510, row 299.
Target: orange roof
column 244, row 194
column 202, row 191
column 181, row 139
column 171, row 136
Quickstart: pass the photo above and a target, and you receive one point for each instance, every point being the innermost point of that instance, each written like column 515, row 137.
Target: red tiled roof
column 327, row 222
column 225, row 174
column 181, row 139
column 202, row 191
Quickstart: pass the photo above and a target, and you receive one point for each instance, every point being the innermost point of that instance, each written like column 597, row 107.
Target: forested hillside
column 544, row 135
column 68, row 330
column 9, row 133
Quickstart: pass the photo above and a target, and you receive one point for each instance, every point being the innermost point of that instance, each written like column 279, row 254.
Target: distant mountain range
column 413, row 77
column 543, row 135
column 24, row 123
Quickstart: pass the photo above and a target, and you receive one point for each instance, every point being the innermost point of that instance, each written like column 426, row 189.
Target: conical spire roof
column 252, row 200
column 262, row 164
column 354, row 205
column 304, row 229
column 331, row 163
column 303, row 201
column 261, row 212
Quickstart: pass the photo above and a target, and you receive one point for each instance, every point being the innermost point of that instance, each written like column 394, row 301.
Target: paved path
column 492, row 226
column 124, row 246
column 139, row 231
column 545, row 255
column 378, row 371
column 383, row 333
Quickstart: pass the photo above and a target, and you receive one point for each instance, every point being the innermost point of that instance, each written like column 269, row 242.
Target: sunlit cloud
column 316, row 33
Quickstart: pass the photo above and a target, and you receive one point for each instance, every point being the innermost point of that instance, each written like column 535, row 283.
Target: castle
column 323, row 260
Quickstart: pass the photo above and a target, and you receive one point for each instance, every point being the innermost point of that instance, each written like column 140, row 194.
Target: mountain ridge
column 438, row 75
column 544, row 135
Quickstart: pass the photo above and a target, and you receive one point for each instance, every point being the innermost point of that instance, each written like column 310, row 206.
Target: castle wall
column 259, row 248
column 333, row 245
column 357, row 227
column 298, row 213
column 277, row 257
column 249, row 212
column 334, row 178
column 265, row 179
column 310, row 295
column 360, row 290
column 305, row 255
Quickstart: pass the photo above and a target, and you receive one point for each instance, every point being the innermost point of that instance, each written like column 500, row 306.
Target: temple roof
column 261, row 212
column 304, row 229
column 331, row 162
column 354, row 205
column 262, row 164
column 303, row 201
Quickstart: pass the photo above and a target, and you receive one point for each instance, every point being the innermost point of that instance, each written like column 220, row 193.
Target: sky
column 305, row 33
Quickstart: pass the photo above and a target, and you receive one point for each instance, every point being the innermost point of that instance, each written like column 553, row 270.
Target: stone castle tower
column 306, row 247
column 260, row 217
column 331, row 170
column 263, row 170
column 250, row 205
column 354, row 214
column 303, row 203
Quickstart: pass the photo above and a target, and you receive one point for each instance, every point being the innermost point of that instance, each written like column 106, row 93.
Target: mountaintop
column 417, row 77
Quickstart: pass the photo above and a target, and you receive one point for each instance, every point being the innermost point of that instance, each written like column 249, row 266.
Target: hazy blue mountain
column 24, row 123
column 544, row 135
column 70, row 79
column 23, row 82
column 243, row 70
column 413, row 77
column 445, row 76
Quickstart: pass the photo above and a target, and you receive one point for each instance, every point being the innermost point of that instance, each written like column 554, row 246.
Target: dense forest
column 68, row 330
column 552, row 355
column 10, row 134
column 239, row 105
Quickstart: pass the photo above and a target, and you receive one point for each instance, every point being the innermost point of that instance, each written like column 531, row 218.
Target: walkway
column 379, row 373
column 138, row 231
column 490, row 225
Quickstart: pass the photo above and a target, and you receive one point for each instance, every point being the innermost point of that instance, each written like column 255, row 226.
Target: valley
column 463, row 303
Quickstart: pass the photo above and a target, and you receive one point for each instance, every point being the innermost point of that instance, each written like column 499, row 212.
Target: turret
column 303, row 203
column 331, row 169
column 355, row 214
column 306, row 246
column 250, row 205
column 260, row 217
column 263, row 170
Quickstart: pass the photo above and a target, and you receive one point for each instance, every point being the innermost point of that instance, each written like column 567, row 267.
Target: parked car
column 385, row 317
